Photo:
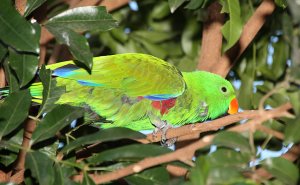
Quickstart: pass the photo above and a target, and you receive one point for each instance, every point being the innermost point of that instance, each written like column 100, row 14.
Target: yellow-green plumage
column 126, row 89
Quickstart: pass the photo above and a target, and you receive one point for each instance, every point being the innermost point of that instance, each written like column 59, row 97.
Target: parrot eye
column 224, row 89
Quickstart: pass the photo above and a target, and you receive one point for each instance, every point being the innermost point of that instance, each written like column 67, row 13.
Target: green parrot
column 142, row 92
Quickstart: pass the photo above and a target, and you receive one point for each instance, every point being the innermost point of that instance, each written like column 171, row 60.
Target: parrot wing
column 134, row 74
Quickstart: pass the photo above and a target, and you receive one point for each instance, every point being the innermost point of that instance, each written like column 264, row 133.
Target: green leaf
column 291, row 132
column 16, row 31
column 25, row 66
column 225, row 175
column 157, row 175
column 11, row 78
column 162, row 25
column 153, row 36
column 187, row 64
column 87, row 179
column 58, row 118
column 205, row 173
column 154, row 49
column 199, row 173
column 281, row 3
column 8, row 158
column 245, row 95
column 58, row 174
column 83, row 18
column 281, row 50
column 232, row 140
column 194, row 4
column 174, row 4
column 3, row 52
column 62, row 174
column 119, row 35
column 176, row 50
column 76, row 43
column 110, row 134
column 5, row 183
column 232, row 29
column 41, row 167
column 294, row 97
column 132, row 152
column 31, row 5
column 282, row 169
column 51, row 93
column 13, row 110
column 14, row 142
column 160, row 10
column 188, row 44
column 229, row 158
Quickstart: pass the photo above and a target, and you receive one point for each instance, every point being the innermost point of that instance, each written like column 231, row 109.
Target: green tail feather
column 4, row 92
column 36, row 91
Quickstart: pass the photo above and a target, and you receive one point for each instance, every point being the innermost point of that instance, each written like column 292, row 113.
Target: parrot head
column 219, row 94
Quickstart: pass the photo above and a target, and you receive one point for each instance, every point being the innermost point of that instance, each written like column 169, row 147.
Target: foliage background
column 47, row 150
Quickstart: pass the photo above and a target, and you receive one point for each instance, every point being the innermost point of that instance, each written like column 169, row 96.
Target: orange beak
column 233, row 107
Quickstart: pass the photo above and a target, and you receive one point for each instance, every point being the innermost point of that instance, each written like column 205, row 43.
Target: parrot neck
column 203, row 101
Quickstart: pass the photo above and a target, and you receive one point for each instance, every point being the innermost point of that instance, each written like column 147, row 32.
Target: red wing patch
column 164, row 105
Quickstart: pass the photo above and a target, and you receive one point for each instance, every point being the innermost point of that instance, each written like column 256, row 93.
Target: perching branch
column 197, row 128
column 187, row 131
column 183, row 154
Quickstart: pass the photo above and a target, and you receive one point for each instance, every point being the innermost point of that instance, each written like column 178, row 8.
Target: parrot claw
column 163, row 127
column 168, row 142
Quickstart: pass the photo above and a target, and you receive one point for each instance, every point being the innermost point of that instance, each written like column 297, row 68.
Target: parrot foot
column 163, row 127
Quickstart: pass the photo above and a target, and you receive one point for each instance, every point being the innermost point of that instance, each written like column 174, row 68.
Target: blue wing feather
column 65, row 71
column 159, row 97
column 87, row 83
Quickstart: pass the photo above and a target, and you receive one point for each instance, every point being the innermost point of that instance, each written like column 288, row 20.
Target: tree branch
column 112, row 5
column 2, row 78
column 211, row 38
column 197, row 128
column 183, row 154
column 20, row 6
column 29, row 127
column 190, row 131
